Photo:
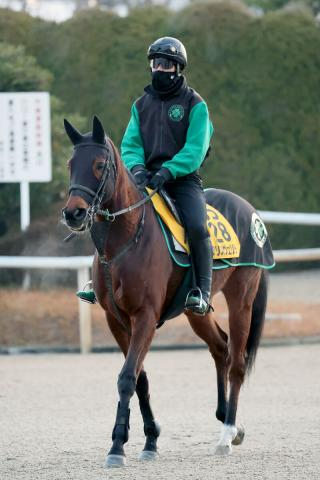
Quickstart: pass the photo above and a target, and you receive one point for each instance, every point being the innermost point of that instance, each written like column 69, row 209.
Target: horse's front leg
column 151, row 427
column 143, row 329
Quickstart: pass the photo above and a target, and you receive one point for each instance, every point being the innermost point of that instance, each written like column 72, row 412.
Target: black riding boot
column 198, row 300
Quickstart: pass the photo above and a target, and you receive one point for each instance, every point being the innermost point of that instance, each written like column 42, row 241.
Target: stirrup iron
column 196, row 304
column 87, row 294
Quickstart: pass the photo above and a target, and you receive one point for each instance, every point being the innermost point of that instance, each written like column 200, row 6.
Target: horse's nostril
column 79, row 213
column 67, row 214
column 76, row 215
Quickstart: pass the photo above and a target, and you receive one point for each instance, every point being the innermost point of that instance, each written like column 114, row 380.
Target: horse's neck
column 125, row 226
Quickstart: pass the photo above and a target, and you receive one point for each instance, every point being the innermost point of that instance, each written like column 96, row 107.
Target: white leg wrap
column 228, row 433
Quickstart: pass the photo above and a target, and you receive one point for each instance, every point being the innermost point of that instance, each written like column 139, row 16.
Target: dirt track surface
column 57, row 413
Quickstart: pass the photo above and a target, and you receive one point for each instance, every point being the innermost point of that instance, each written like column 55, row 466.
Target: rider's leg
column 189, row 196
column 202, row 259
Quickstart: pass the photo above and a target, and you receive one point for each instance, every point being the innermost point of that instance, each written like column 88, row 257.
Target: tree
column 268, row 5
column 21, row 72
column 259, row 77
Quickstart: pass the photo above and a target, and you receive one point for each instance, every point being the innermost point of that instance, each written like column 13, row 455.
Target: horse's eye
column 100, row 167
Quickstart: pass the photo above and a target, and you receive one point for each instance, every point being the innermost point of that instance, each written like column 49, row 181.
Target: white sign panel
column 25, row 137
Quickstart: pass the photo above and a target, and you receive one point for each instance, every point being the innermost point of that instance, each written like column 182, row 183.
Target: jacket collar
column 176, row 90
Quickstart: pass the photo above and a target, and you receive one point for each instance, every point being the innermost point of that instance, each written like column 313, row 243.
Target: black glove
column 141, row 176
column 159, row 179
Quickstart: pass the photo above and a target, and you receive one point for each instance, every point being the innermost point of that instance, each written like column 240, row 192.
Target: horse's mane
column 123, row 174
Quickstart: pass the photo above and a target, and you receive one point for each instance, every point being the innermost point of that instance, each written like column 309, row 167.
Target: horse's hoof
column 148, row 456
column 239, row 437
column 115, row 461
column 223, row 450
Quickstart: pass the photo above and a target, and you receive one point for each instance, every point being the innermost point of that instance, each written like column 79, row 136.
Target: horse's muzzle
column 75, row 218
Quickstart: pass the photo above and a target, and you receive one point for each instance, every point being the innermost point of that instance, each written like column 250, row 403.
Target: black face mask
column 164, row 81
column 81, row 171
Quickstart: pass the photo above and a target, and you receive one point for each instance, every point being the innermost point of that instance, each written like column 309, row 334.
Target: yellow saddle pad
column 225, row 241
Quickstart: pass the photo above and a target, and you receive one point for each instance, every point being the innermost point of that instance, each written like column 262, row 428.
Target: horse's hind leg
column 151, row 427
column 240, row 292
column 209, row 331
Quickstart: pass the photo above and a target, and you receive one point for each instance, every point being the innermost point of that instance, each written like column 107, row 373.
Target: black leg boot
column 198, row 300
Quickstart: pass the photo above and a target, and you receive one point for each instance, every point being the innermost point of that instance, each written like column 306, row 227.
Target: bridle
column 99, row 196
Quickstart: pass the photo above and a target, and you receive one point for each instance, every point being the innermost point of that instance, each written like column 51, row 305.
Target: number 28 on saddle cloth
column 225, row 242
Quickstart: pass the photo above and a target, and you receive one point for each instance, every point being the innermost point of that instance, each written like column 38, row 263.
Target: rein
column 111, row 216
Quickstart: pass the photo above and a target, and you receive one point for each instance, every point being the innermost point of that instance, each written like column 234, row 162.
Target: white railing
column 290, row 218
column 83, row 264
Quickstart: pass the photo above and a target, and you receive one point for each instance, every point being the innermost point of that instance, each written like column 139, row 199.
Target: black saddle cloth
column 255, row 243
column 255, row 250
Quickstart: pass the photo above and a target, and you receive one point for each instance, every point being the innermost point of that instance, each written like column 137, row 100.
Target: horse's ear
column 72, row 132
column 98, row 134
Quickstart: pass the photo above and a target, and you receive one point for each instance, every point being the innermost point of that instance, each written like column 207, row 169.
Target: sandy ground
column 57, row 413
column 51, row 318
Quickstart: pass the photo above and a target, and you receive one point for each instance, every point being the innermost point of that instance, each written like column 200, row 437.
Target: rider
column 165, row 143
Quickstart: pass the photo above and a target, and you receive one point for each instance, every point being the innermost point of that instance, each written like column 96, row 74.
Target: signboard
column 25, row 137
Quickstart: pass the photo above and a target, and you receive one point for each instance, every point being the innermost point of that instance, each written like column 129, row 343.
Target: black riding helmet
column 169, row 47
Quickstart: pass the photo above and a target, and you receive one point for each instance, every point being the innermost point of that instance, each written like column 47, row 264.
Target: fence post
column 84, row 313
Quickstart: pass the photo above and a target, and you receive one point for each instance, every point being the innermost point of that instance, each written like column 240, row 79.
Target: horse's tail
column 257, row 321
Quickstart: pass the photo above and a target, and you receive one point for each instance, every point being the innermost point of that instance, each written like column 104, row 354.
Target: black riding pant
column 190, row 201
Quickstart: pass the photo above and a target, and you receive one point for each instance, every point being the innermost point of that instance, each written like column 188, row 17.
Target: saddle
column 171, row 204
column 225, row 242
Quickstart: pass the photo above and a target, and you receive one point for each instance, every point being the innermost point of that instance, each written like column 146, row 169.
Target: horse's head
column 92, row 175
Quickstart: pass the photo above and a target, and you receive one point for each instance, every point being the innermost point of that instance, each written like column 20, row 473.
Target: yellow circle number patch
column 224, row 239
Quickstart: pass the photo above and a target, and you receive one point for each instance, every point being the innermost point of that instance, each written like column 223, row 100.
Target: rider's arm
column 199, row 133
column 132, row 152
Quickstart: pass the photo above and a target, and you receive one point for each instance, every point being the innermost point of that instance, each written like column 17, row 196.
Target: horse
column 135, row 279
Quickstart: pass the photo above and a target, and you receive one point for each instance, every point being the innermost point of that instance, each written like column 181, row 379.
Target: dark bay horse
column 135, row 279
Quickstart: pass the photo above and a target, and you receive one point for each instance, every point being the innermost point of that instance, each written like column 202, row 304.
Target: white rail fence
column 83, row 264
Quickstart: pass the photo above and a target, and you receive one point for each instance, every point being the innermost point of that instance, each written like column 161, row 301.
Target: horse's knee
column 228, row 361
column 221, row 414
column 220, row 355
column 142, row 389
column 237, row 371
column 142, row 384
column 126, row 385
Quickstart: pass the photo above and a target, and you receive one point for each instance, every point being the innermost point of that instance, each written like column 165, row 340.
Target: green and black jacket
column 174, row 132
